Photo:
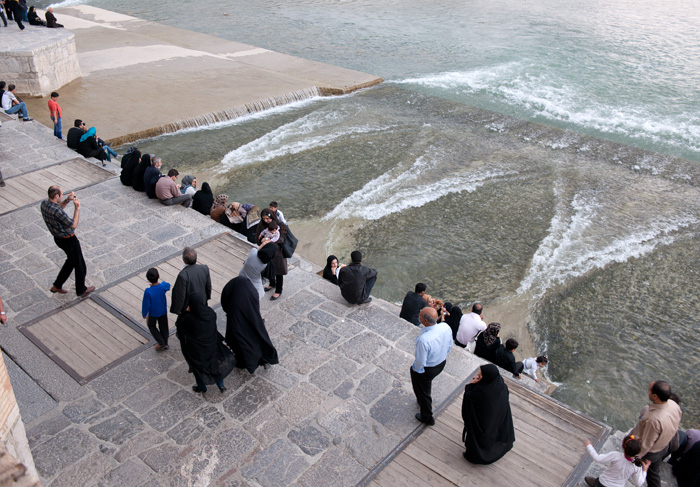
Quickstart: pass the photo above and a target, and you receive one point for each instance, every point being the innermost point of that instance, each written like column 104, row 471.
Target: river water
column 540, row 157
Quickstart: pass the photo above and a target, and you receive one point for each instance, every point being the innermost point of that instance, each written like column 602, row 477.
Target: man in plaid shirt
column 63, row 230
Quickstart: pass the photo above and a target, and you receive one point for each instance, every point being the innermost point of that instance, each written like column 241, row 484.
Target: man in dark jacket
column 413, row 303
column 194, row 278
column 506, row 359
column 74, row 134
column 356, row 281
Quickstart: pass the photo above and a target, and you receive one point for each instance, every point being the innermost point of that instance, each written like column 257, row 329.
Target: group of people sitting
column 355, row 280
column 470, row 331
column 268, row 226
column 17, row 10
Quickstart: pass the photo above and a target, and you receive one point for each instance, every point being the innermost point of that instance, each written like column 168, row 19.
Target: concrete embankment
column 142, row 79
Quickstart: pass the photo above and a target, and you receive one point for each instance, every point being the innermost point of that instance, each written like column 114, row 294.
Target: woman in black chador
column 203, row 346
column 488, row 425
column 245, row 328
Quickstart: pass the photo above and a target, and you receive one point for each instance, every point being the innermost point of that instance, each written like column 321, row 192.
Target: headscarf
column 267, row 253
column 327, row 272
column 488, row 424
column 140, row 171
column 203, row 199
column 92, row 131
column 454, row 318
column 220, row 200
column 129, row 162
column 491, row 333
column 186, row 183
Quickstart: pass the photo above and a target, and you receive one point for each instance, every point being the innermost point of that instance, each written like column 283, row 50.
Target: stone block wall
column 39, row 60
column 12, row 432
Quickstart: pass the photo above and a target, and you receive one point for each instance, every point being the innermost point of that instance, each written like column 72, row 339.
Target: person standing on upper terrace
column 63, row 230
column 56, row 113
column 413, row 302
column 356, row 281
column 656, row 428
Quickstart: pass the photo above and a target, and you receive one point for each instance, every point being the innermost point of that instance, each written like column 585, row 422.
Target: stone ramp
column 230, row 79
column 30, row 187
column 541, row 456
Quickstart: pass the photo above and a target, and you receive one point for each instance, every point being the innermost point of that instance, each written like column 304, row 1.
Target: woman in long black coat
column 280, row 261
column 245, row 328
column 203, row 346
column 139, row 171
column 488, row 425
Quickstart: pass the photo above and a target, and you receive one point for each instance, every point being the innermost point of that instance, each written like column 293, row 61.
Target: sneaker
column 28, row 119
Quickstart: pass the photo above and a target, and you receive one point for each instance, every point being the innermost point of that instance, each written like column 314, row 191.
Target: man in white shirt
column 470, row 326
column 11, row 105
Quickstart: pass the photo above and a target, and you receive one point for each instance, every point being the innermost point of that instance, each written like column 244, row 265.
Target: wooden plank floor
column 223, row 255
column 546, row 451
column 84, row 339
column 28, row 188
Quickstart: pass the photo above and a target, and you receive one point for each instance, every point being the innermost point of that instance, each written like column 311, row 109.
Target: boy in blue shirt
column 155, row 307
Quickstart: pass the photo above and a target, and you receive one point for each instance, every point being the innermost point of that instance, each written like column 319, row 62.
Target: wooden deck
column 85, row 339
column 548, row 448
column 89, row 336
column 30, row 188
column 224, row 255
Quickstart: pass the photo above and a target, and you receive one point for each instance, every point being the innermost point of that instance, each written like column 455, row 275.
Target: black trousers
column 653, row 475
column 160, row 334
column 422, row 388
column 74, row 261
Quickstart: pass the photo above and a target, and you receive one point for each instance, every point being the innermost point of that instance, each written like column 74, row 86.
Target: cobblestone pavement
column 339, row 401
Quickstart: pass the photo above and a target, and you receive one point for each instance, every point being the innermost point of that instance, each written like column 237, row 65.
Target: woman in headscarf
column 203, row 346
column 488, row 425
column 188, row 185
column 255, row 263
column 33, row 18
column 203, row 199
column 129, row 162
column 488, row 342
column 245, row 328
column 218, row 207
column 140, row 171
column 332, row 269
column 454, row 317
column 88, row 146
column 279, row 261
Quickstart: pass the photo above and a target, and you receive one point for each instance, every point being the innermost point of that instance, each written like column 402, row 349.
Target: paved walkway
column 339, row 401
column 142, row 79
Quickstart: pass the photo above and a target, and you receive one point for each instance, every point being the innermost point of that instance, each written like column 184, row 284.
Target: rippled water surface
column 537, row 156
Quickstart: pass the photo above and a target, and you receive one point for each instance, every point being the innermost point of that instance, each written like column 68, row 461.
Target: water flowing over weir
column 226, row 114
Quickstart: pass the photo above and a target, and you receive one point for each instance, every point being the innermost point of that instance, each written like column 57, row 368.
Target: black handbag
column 289, row 245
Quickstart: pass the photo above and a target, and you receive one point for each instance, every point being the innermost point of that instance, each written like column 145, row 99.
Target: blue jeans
column 24, row 14
column 108, row 150
column 369, row 284
column 22, row 107
column 58, row 128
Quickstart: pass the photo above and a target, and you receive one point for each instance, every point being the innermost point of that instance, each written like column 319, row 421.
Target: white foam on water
column 311, row 131
column 545, row 95
column 399, row 189
column 571, row 249
column 67, row 3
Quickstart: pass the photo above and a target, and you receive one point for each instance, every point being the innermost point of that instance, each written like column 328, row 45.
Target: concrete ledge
column 38, row 60
column 158, row 79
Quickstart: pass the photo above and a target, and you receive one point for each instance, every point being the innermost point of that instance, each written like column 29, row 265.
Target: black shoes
column 419, row 417
column 368, row 300
column 197, row 389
